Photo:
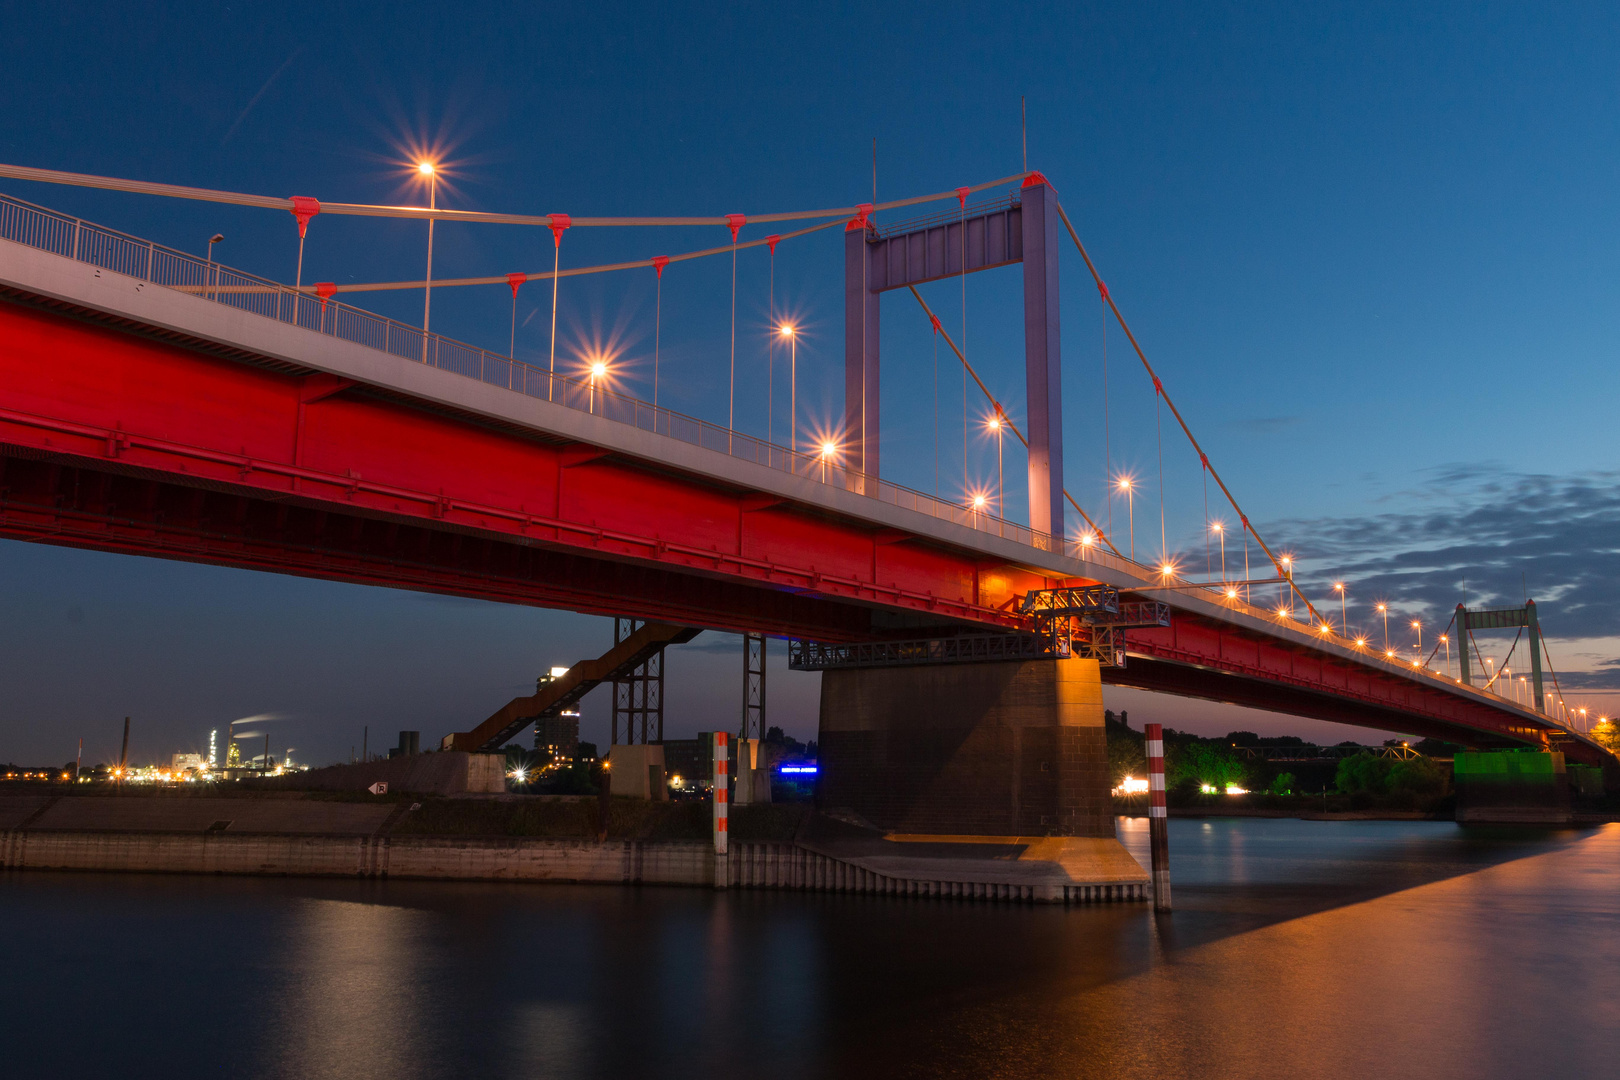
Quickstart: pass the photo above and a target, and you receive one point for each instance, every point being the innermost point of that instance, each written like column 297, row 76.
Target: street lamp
column 1130, row 504
column 1446, row 641
column 1338, row 586
column 1383, row 609
column 1221, row 532
column 828, row 448
column 787, row 331
column 1417, row 625
column 599, row 370
column 427, row 169
column 208, row 274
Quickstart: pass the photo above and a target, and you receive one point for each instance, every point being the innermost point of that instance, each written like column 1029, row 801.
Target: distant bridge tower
column 1503, row 619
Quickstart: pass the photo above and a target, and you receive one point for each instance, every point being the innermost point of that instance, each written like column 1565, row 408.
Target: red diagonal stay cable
column 968, row 368
column 1159, row 386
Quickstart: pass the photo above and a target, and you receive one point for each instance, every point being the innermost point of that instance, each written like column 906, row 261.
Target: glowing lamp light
column 1087, row 539
column 978, row 502
column 425, row 168
column 1231, row 594
column 829, row 448
column 1215, row 527
column 1207, row 789
column 1131, row 786
column 1167, row 569
column 786, row 331
column 1389, row 652
column 1361, row 643
column 993, row 423
column 1233, row 789
column 1125, row 484
column 598, row 369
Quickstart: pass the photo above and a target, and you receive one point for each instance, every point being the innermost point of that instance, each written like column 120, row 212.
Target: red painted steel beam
column 686, row 548
column 1203, row 658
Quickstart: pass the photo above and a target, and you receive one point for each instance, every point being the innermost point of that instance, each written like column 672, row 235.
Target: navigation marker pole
column 1158, row 821
column 722, row 799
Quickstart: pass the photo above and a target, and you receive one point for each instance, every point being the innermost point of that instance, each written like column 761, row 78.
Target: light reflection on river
column 1298, row 949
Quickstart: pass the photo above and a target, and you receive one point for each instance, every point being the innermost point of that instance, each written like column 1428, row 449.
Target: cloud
column 1267, row 425
column 1484, row 535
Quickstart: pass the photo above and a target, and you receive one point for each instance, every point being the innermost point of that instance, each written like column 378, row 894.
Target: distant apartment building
column 556, row 738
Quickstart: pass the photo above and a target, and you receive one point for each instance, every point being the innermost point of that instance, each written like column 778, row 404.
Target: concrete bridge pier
column 1003, row 765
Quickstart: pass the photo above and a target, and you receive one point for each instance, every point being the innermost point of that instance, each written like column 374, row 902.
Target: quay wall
column 621, row 862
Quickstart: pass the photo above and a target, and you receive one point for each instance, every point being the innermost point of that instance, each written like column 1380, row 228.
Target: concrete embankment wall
column 627, row 862
column 280, row 835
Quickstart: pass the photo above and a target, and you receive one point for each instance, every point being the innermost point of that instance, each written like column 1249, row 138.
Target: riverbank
column 539, row 839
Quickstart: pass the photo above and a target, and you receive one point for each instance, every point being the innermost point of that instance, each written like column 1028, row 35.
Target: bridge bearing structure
column 146, row 419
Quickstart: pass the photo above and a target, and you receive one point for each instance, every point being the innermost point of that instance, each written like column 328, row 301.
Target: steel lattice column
column 640, row 695
column 753, row 716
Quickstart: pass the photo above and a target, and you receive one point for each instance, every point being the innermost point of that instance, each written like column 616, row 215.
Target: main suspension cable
column 269, row 202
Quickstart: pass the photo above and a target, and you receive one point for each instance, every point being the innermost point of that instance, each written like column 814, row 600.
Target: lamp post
column 598, row 371
column 1383, row 609
column 792, row 335
column 1446, row 641
column 996, row 426
column 208, row 274
column 1130, row 510
column 1344, row 625
column 828, row 448
column 1220, row 532
column 426, row 168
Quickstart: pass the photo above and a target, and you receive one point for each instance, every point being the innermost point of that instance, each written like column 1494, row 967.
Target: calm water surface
column 1298, row 949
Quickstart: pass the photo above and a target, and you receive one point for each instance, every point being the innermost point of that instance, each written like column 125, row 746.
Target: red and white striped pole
column 722, row 771
column 1158, row 819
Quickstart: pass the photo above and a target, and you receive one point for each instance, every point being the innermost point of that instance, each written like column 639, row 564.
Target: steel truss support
column 753, row 710
column 639, row 694
column 964, row 649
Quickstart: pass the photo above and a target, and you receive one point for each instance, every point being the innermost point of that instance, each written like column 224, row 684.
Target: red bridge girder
column 122, row 442
column 1203, row 658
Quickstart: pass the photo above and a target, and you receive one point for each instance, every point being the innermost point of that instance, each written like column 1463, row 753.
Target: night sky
column 1370, row 248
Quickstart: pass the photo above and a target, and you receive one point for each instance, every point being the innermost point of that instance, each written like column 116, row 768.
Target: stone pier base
column 994, row 749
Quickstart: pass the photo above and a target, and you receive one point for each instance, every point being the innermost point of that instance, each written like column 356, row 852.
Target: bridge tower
column 1022, row 230
column 1501, row 619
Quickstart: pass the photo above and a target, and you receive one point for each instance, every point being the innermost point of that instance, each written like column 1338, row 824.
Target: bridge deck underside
column 121, row 441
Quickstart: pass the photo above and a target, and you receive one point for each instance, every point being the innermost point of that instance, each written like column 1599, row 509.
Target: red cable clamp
column 1034, row 179
column 772, row 241
column 736, row 221
column 935, row 320
column 515, row 280
column 559, row 222
column 304, row 207
column 858, row 223
column 324, row 290
column 1158, row 387
column 961, row 196
column 1205, row 459
column 659, row 262
column 1102, row 289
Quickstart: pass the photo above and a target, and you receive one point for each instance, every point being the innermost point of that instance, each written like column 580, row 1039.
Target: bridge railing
column 75, row 238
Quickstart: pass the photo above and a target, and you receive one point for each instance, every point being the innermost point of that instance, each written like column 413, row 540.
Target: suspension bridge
column 157, row 403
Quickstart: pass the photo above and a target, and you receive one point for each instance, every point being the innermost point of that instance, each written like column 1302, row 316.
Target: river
column 1297, row 949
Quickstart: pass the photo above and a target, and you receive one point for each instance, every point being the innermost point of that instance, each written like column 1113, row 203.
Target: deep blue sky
column 1370, row 248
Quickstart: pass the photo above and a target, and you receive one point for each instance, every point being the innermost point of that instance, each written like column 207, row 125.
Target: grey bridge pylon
column 1022, row 229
